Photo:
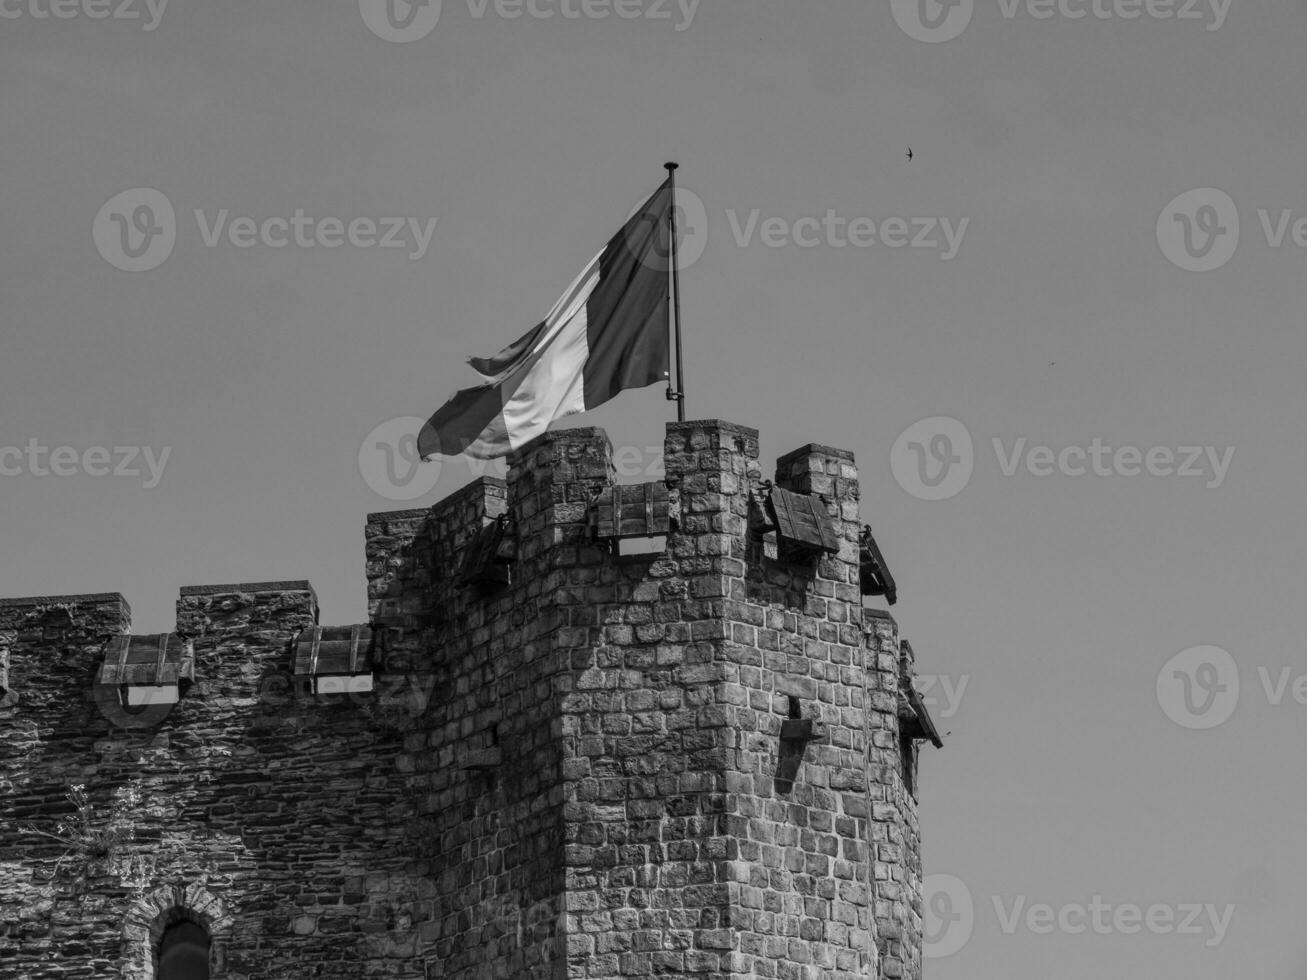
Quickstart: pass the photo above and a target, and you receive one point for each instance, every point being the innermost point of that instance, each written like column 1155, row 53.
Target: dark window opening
column 184, row 953
column 908, row 764
column 794, row 707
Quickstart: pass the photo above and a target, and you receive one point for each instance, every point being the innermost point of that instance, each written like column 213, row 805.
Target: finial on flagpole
column 671, row 165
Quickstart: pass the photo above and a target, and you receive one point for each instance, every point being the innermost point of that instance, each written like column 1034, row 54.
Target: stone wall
column 577, row 773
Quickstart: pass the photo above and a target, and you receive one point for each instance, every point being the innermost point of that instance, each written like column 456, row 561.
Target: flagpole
column 679, row 393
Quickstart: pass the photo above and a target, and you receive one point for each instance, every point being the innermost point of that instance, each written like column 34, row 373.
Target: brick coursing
column 578, row 774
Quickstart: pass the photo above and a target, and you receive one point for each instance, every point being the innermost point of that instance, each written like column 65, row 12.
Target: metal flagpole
column 679, row 394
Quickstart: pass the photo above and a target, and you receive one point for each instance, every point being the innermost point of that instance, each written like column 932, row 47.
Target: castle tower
column 548, row 754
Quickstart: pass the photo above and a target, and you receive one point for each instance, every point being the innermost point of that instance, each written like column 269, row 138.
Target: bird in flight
column 909, row 153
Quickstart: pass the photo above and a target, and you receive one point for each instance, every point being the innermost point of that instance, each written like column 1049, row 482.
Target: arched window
column 184, row 952
column 174, row 932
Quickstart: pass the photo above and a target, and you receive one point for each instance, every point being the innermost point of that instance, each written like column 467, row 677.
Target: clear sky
column 1052, row 146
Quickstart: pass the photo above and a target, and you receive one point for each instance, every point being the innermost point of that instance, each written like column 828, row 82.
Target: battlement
column 546, row 497
column 545, row 755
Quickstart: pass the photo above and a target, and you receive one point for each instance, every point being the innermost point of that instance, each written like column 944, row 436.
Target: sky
column 1060, row 340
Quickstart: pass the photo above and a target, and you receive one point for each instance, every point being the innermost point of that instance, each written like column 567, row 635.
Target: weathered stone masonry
column 680, row 764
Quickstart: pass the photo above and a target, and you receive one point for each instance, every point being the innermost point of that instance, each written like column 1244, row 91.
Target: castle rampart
column 540, row 758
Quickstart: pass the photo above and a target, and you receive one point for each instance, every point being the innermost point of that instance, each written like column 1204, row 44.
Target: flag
column 607, row 332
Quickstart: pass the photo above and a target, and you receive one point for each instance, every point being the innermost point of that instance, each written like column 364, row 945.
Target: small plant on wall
column 91, row 835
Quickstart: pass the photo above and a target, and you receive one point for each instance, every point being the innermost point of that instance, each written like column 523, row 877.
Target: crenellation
column 680, row 763
column 245, row 607
column 39, row 619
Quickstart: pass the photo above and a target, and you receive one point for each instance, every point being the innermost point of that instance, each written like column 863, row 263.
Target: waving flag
column 606, row 333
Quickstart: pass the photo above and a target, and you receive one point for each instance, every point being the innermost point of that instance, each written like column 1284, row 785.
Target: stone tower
column 542, row 757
